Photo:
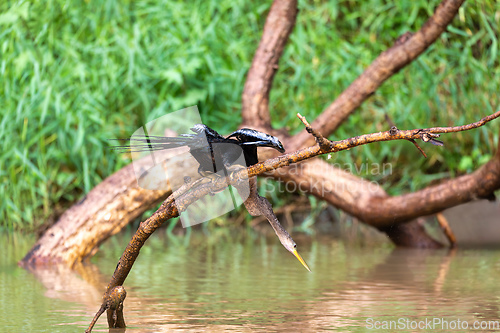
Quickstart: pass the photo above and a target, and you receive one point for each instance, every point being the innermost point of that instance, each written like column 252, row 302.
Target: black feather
column 205, row 146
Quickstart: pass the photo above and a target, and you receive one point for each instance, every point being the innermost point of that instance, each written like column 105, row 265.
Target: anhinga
column 213, row 151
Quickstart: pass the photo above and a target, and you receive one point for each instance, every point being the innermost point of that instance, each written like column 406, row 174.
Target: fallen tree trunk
column 103, row 212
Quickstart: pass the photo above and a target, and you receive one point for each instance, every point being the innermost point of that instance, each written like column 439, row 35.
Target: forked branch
column 191, row 192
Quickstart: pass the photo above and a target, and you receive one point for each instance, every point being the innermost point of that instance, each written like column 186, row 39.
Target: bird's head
column 275, row 143
column 249, row 136
column 266, row 140
column 289, row 244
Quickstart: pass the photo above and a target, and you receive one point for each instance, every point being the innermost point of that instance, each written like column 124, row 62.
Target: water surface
column 244, row 282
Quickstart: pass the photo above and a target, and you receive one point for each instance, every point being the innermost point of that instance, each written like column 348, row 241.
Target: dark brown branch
column 113, row 303
column 186, row 195
column 336, row 146
column 255, row 99
column 406, row 49
column 96, row 316
column 434, row 199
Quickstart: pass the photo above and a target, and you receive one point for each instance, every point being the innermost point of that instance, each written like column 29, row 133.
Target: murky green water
column 247, row 283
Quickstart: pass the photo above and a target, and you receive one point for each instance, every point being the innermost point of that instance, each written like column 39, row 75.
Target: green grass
column 74, row 73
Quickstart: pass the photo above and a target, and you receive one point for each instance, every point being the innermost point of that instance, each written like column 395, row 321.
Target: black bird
column 213, row 151
column 210, row 149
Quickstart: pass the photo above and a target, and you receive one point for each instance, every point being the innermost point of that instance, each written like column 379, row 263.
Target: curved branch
column 191, row 192
column 425, row 135
column 479, row 184
column 255, row 99
column 371, row 204
column 406, row 49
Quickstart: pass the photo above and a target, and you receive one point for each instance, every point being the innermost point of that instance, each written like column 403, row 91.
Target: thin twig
column 394, row 130
column 418, row 147
column 323, row 142
column 96, row 316
column 113, row 303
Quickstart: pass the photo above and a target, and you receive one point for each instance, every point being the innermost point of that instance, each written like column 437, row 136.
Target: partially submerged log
column 103, row 212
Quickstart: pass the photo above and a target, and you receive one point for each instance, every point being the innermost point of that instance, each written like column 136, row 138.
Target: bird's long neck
column 257, row 206
column 278, row 228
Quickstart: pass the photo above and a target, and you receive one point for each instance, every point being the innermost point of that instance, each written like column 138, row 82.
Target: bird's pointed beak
column 297, row 255
column 280, row 148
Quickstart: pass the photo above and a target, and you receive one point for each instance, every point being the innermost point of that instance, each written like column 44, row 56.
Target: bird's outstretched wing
column 203, row 136
column 153, row 143
column 211, row 150
column 201, row 146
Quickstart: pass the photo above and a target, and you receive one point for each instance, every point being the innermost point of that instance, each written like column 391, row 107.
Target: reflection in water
column 246, row 283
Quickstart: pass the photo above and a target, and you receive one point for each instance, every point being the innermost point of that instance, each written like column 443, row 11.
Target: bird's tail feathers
column 150, row 143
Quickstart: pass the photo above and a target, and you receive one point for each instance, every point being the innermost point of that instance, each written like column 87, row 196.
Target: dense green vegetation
column 75, row 73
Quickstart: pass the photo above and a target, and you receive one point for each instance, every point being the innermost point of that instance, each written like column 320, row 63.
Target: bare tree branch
column 324, row 143
column 188, row 194
column 406, row 49
column 370, row 203
column 418, row 147
column 433, row 199
column 336, row 146
column 255, row 99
